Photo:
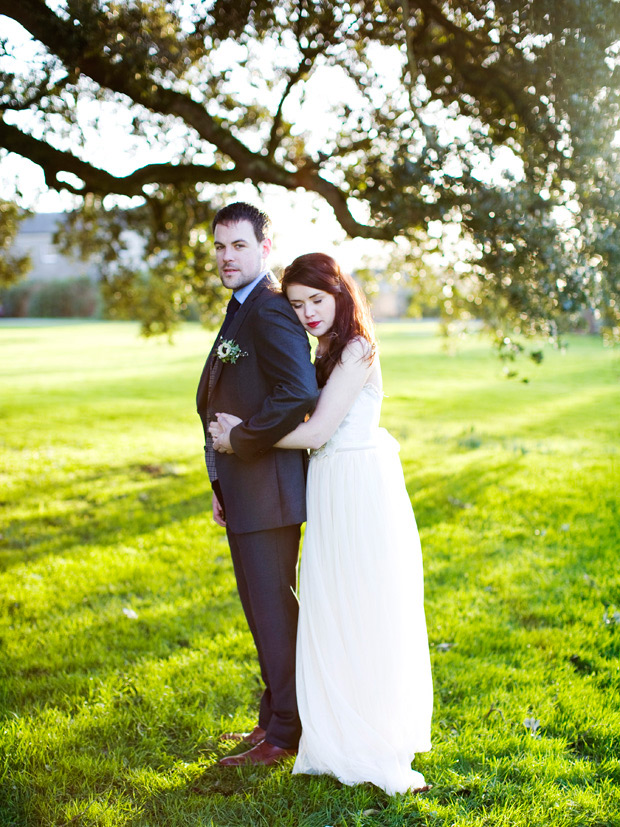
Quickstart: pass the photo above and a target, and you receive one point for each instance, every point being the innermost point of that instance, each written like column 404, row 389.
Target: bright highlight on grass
column 123, row 649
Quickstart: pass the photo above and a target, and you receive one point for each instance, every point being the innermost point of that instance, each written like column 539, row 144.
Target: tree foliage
column 12, row 266
column 423, row 101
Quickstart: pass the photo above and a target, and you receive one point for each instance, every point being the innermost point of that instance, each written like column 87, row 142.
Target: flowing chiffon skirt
column 363, row 668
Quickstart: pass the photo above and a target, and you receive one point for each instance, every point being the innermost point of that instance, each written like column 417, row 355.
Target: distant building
column 391, row 301
column 35, row 237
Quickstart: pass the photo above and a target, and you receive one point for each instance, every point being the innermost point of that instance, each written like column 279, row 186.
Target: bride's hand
column 228, row 421
column 220, row 432
column 223, row 423
column 216, row 429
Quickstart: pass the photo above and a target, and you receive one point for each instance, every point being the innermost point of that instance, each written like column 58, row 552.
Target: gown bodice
column 360, row 427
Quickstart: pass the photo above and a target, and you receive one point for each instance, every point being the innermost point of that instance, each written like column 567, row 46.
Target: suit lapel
column 213, row 367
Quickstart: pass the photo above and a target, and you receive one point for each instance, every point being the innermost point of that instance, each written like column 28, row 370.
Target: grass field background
column 123, row 649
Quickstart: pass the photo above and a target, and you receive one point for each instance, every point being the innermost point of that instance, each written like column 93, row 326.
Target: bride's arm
column 339, row 393
column 335, row 400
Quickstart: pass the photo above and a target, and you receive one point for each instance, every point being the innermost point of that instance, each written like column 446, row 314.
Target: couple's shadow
column 231, row 781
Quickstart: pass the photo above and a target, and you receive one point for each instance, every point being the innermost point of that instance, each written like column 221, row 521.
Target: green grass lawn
column 123, row 648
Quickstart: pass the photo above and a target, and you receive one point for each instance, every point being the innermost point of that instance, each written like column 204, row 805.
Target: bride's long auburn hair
column 352, row 319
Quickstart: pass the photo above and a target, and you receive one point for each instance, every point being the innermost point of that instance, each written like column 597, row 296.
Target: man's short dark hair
column 240, row 211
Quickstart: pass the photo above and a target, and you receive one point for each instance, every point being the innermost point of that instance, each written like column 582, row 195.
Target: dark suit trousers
column 265, row 565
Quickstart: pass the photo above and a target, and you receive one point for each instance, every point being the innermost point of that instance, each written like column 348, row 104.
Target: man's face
column 240, row 257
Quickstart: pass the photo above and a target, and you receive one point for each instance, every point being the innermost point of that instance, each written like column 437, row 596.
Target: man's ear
column 266, row 245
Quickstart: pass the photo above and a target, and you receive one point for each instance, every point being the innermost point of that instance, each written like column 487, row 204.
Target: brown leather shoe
column 265, row 753
column 255, row 737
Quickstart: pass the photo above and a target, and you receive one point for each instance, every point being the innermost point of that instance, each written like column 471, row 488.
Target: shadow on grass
column 445, row 498
column 92, row 514
column 260, row 795
column 92, row 647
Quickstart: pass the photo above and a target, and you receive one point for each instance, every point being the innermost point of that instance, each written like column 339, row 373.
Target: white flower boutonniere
column 228, row 351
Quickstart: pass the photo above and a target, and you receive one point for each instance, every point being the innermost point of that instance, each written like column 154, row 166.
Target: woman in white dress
column 363, row 669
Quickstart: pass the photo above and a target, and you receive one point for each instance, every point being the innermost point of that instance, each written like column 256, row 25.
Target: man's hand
column 218, row 511
column 220, row 431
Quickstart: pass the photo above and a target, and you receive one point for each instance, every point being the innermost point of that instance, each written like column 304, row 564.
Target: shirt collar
column 243, row 292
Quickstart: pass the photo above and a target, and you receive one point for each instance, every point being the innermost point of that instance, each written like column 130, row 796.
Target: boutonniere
column 228, row 351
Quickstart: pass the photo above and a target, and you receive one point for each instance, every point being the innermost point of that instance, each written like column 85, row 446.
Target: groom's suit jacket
column 271, row 387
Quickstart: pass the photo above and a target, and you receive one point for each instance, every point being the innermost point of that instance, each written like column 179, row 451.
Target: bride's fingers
column 228, row 420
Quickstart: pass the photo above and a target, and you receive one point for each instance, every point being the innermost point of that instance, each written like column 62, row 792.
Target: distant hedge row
column 52, row 299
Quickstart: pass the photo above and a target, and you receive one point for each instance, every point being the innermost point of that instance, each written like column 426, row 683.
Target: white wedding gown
column 363, row 668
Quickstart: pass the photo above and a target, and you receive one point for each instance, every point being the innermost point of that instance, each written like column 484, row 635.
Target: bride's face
column 315, row 309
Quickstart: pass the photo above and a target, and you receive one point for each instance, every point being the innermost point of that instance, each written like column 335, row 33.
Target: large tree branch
column 338, row 202
column 55, row 162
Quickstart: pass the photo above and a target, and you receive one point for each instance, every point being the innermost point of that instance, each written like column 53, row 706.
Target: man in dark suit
column 259, row 369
